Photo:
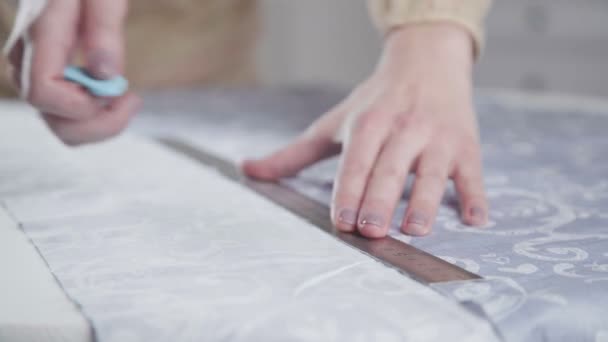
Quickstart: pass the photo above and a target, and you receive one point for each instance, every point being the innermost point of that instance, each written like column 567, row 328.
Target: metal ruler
column 408, row 259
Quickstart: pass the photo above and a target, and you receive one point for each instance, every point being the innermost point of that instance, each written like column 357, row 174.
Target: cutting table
column 547, row 243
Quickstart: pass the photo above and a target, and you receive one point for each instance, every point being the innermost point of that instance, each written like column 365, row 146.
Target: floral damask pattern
column 544, row 254
column 154, row 247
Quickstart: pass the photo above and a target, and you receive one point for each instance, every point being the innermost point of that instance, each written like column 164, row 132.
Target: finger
column 468, row 180
column 103, row 37
column 387, row 181
column 360, row 152
column 304, row 151
column 314, row 145
column 429, row 186
column 108, row 123
column 54, row 36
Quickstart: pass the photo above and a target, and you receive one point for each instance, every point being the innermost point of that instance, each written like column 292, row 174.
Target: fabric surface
column 544, row 255
column 154, row 247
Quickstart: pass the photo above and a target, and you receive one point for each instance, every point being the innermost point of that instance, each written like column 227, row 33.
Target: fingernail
column 417, row 223
column 371, row 220
column 101, row 65
column 478, row 215
column 347, row 216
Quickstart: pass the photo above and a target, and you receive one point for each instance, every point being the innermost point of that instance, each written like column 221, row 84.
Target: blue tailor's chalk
column 113, row 87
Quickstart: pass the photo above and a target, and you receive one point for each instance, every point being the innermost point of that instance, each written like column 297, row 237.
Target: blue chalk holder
column 113, row 87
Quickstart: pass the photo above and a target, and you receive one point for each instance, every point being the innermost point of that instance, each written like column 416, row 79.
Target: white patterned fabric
column 544, row 255
column 154, row 247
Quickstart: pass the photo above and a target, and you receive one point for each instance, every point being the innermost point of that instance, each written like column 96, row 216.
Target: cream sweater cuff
column 468, row 14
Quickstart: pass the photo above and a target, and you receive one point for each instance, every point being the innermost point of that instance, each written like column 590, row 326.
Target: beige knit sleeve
column 469, row 14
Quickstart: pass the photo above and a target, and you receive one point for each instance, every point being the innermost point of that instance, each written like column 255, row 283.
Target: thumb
column 315, row 144
column 103, row 37
column 288, row 161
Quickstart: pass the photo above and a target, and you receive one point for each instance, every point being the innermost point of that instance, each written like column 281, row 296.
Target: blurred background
column 558, row 46
column 533, row 45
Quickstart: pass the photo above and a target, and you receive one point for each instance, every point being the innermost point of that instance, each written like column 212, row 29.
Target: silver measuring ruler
column 406, row 258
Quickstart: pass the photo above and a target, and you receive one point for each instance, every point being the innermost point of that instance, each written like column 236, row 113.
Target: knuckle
column 432, row 173
column 469, row 169
column 403, row 121
column 475, row 199
column 422, row 205
column 367, row 122
column 354, row 168
column 409, row 120
column 390, row 171
column 413, row 123
column 427, row 198
column 470, row 145
column 346, row 195
column 446, row 136
column 375, row 203
column 471, row 184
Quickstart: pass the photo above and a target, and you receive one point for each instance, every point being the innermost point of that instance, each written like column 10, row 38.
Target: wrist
column 442, row 43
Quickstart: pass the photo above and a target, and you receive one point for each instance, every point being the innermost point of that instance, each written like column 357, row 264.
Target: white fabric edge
column 34, row 307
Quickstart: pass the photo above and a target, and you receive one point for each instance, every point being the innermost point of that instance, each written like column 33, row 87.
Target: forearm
column 468, row 14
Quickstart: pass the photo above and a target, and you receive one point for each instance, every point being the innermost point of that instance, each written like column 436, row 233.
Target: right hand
column 66, row 27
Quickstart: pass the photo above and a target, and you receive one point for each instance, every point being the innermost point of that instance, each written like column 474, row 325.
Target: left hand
column 414, row 113
column 64, row 29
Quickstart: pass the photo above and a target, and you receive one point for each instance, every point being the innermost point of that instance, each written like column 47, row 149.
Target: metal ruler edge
column 420, row 265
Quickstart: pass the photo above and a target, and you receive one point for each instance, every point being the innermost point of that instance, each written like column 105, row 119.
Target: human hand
column 65, row 28
column 415, row 113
